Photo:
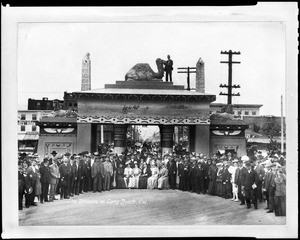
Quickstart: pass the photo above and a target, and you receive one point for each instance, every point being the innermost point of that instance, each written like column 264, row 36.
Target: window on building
column 246, row 112
column 34, row 117
column 33, row 128
column 22, row 128
column 254, row 113
column 48, row 105
column 23, row 116
column 70, row 104
column 239, row 113
column 75, row 104
column 38, row 104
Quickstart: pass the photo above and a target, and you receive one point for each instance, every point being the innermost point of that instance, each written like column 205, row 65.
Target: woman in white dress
column 127, row 174
column 134, row 180
column 232, row 170
column 152, row 181
column 163, row 178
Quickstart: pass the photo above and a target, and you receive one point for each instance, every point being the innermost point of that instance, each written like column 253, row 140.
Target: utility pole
column 229, row 86
column 188, row 71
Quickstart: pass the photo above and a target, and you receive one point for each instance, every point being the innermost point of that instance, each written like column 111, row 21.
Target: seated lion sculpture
column 143, row 72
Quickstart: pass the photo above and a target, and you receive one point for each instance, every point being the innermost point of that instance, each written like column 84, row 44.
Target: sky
column 50, row 56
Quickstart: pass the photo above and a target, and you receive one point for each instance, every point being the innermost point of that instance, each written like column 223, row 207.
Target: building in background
column 28, row 130
column 238, row 109
column 45, row 104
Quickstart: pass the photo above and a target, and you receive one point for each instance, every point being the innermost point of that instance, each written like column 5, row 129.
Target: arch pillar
column 120, row 131
column 166, row 134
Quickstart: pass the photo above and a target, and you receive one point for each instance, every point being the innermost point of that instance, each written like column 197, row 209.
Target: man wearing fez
column 168, row 68
column 108, row 172
column 65, row 173
column 250, row 185
column 45, row 180
column 54, row 177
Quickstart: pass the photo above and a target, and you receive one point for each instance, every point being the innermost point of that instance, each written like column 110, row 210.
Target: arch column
column 120, row 131
column 166, row 136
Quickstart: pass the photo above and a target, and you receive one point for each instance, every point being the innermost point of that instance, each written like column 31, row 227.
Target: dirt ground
column 145, row 207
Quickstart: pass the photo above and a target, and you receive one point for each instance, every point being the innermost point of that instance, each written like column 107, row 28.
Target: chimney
column 86, row 73
column 200, row 78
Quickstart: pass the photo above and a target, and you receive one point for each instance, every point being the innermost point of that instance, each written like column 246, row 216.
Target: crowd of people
column 248, row 180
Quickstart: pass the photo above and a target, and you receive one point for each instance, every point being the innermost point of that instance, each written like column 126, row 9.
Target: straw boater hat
column 219, row 164
column 245, row 158
column 235, row 161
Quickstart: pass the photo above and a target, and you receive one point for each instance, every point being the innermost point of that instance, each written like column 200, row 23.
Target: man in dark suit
column 32, row 176
column 22, row 184
column 199, row 177
column 260, row 173
column 269, row 186
column 168, row 68
column 191, row 175
column 45, row 180
column 88, row 173
column 239, row 179
column 172, row 170
column 250, row 185
column 65, row 172
column 97, row 175
column 181, row 175
column 205, row 167
column 80, row 176
column 226, row 181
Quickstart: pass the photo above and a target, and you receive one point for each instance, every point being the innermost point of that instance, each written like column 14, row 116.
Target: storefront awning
column 31, row 137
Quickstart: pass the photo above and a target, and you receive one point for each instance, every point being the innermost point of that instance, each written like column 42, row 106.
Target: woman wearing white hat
column 134, row 180
column 152, row 181
column 127, row 174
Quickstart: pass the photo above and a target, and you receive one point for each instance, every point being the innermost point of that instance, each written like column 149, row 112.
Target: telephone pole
column 229, row 86
column 188, row 71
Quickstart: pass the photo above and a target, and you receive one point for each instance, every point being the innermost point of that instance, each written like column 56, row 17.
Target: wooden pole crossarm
column 229, row 62
column 186, row 68
column 186, row 72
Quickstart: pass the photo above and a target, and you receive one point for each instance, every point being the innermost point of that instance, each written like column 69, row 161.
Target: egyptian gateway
column 142, row 98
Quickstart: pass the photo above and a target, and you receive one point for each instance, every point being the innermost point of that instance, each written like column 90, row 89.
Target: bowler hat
column 67, row 154
column 54, row 153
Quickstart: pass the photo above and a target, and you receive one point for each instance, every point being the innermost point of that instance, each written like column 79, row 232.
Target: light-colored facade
column 242, row 110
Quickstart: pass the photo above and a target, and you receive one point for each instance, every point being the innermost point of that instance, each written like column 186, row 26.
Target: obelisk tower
column 86, row 73
column 200, row 77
